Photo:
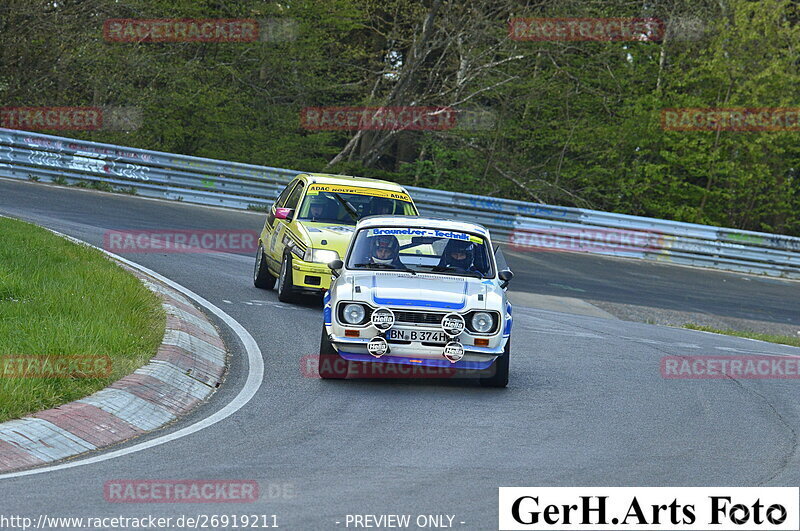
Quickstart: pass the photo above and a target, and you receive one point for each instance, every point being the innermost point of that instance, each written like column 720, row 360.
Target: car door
column 281, row 226
column 271, row 224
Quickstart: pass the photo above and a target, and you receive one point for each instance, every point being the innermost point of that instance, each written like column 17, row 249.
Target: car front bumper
column 417, row 353
column 309, row 276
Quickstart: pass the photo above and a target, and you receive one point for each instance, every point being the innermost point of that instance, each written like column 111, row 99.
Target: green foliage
column 60, row 300
column 770, row 338
column 577, row 123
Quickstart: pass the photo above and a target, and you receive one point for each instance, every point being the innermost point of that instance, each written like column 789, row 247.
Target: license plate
column 416, row 335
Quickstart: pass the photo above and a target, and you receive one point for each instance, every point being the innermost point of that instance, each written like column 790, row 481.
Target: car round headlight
column 482, row 322
column 354, row 313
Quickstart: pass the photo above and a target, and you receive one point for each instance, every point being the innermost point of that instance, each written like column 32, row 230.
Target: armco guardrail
column 33, row 156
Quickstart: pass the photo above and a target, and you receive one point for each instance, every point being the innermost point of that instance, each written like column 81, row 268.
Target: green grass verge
column 771, row 338
column 59, row 299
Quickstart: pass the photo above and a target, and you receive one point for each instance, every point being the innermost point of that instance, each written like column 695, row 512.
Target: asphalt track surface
column 586, row 405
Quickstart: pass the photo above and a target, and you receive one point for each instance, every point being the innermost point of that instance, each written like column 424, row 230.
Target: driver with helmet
column 385, row 250
column 319, row 209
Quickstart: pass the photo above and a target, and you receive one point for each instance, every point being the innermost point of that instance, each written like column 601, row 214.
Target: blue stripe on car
column 326, row 312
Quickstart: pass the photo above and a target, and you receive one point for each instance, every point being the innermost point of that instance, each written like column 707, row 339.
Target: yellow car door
column 283, row 215
column 273, row 226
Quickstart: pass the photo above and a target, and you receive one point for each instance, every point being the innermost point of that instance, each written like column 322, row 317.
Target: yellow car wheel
column 262, row 278
column 286, row 291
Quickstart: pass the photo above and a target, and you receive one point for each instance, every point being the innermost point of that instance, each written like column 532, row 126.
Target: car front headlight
column 354, row 313
column 482, row 322
column 320, row 256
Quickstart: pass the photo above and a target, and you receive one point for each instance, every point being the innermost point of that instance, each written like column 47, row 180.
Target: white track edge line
column 255, row 376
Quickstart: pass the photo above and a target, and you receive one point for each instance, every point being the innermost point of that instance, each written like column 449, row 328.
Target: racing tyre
column 331, row 365
column 262, row 278
column 500, row 367
column 286, row 291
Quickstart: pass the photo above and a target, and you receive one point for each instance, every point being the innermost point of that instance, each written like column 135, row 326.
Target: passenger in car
column 460, row 255
column 381, row 207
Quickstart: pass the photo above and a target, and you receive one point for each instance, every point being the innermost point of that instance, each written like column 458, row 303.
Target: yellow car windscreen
column 334, row 205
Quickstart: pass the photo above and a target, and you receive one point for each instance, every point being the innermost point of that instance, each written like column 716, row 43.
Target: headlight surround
column 482, row 322
column 320, row 256
column 354, row 314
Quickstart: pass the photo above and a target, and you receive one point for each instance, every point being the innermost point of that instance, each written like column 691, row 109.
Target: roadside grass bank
column 771, row 338
column 64, row 308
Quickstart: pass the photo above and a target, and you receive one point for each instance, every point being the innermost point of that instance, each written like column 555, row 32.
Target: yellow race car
column 311, row 224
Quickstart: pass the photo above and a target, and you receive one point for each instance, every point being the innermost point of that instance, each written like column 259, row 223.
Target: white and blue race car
column 418, row 291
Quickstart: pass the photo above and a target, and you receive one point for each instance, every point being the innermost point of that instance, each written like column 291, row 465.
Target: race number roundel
column 453, row 324
column 383, row 319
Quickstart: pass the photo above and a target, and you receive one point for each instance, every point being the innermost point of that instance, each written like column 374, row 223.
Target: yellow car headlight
column 320, row 256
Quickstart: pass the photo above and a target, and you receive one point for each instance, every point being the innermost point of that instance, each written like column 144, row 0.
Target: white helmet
column 389, row 243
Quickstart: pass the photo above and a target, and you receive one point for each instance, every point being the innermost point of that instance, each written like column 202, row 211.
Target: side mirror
column 505, row 275
column 284, row 213
column 335, row 265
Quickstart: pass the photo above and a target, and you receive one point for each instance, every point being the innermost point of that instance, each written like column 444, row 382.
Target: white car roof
column 421, row 221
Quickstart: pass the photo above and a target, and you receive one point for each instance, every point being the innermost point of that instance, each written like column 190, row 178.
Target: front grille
column 418, row 317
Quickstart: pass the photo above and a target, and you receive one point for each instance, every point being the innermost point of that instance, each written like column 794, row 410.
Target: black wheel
column 262, row 278
column 499, row 370
column 285, row 288
column 331, row 365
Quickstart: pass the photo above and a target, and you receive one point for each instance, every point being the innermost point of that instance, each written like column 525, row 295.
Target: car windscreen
column 346, row 208
column 423, row 250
